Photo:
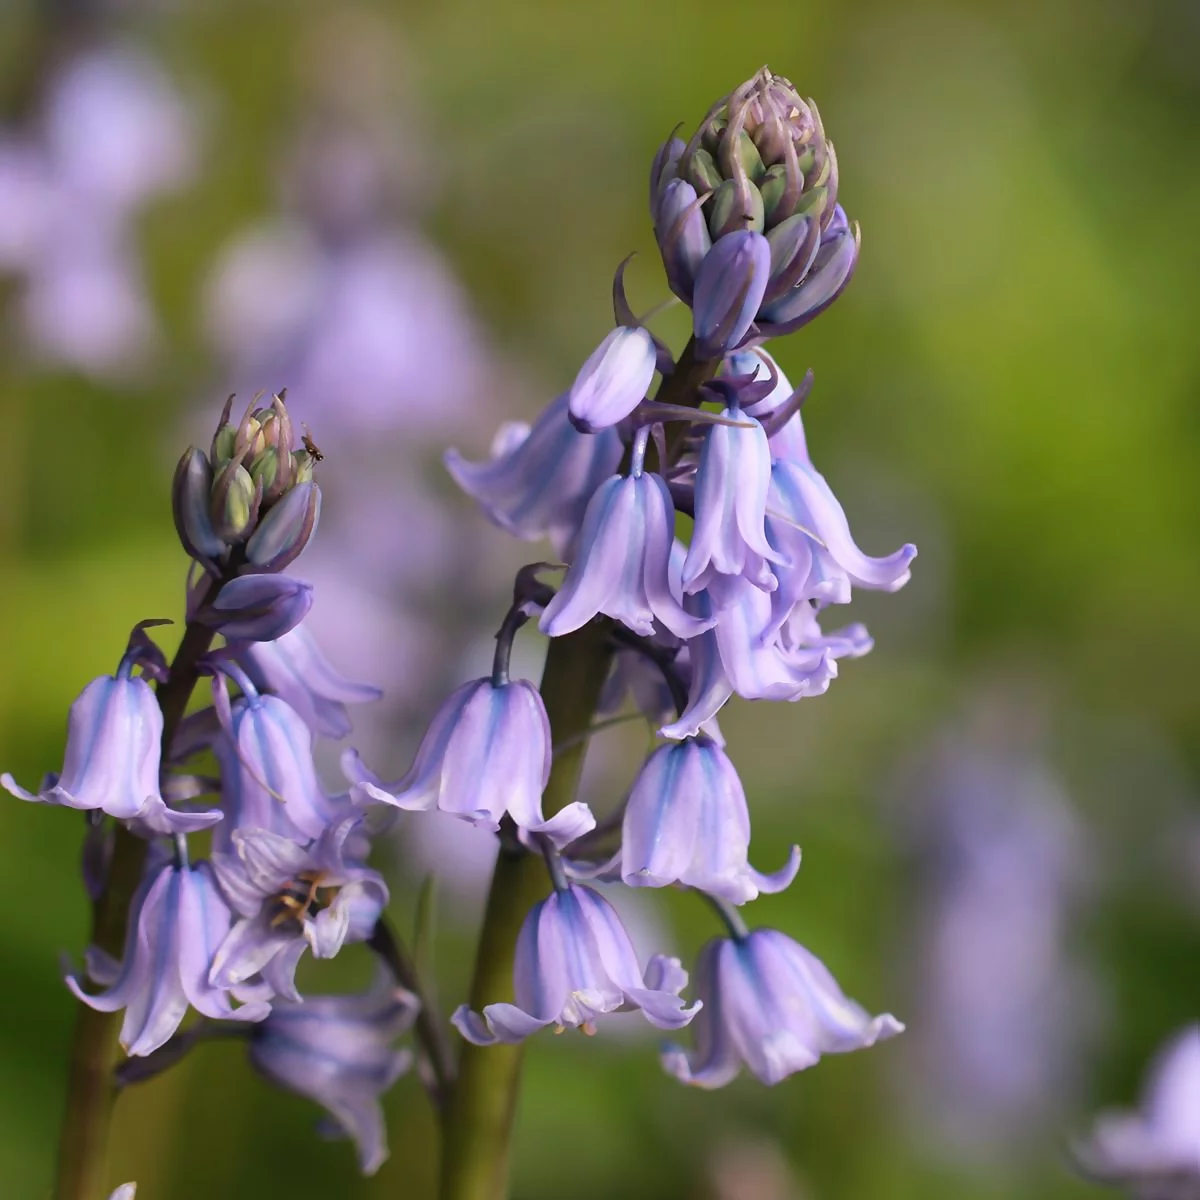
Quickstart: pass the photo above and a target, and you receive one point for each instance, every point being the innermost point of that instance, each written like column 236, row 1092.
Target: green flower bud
column 702, row 172
column 234, row 503
column 265, row 467
column 729, row 210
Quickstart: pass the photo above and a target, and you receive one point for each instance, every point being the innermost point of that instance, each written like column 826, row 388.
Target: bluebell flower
column 113, row 757
column 622, row 565
column 291, row 898
column 687, row 822
column 788, row 441
column 1155, row 1152
column 268, row 779
column 729, row 288
column 574, row 963
column 732, row 480
column 613, row 381
column 258, row 608
column 294, row 668
column 176, row 922
column 340, row 1052
column 540, row 479
column 486, row 753
column 772, row 1005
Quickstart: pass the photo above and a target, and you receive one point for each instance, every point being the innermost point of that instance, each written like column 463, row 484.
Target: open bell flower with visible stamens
column 113, row 756
column 291, row 898
column 486, row 754
column 574, row 963
column 340, row 1052
column 772, row 1005
column 176, row 922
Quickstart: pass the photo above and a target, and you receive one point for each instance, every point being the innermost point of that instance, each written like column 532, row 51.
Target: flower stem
column 478, row 1120
column 91, row 1078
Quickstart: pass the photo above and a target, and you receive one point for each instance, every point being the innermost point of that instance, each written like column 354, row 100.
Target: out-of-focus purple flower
column 687, row 822
column 808, row 526
column 258, row 608
column 176, row 922
column 486, row 753
column 729, row 289
column 622, row 566
column 290, row 898
column 574, row 962
column 340, row 1052
column 114, row 735
column 127, row 1191
column 268, row 780
column 1155, row 1152
column 772, row 1005
column 294, row 668
column 731, row 503
column 540, row 479
column 613, row 381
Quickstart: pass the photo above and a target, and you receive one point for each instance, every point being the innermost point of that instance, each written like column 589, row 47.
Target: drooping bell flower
column 773, row 1006
column 687, row 822
column 540, row 478
column 291, row 898
column 257, row 608
column 788, row 441
column 613, row 381
column 1154, row 1152
column 486, row 753
column 340, row 1052
column 294, row 668
column 574, row 963
column 176, row 923
column 113, row 757
column 622, row 565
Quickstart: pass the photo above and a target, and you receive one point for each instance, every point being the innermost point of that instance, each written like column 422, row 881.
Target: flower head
column 770, row 1004
column 1154, row 1152
column 177, row 921
column 290, row 898
column 340, row 1052
column 486, row 753
column 574, row 963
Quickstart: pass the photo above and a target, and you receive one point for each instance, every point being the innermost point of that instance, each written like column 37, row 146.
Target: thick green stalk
column 478, row 1120
column 91, row 1087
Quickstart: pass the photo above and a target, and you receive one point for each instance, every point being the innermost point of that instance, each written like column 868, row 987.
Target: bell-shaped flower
column 258, row 608
column 294, row 668
column 113, row 756
column 613, row 381
column 575, row 962
column 687, row 822
column 808, row 526
column 176, row 922
column 732, row 479
column 540, row 479
column 340, row 1051
column 788, row 441
column 486, row 753
column 730, row 286
column 622, row 565
column 268, row 780
column 291, row 898
column 1155, row 1152
column 772, row 1005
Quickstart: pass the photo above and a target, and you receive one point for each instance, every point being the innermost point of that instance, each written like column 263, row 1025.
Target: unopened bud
column 258, row 608
column 234, row 503
column 823, row 282
column 190, row 493
column 285, row 529
column 729, row 289
column 613, row 381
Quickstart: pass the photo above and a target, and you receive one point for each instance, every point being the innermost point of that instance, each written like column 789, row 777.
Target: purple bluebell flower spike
column 294, row 668
column 773, row 1006
column 340, row 1052
column 1154, row 1152
column 112, row 757
column 623, row 565
column 291, row 898
column 486, row 753
column 687, row 822
column 575, row 963
column 177, row 921
column 540, row 479
column 613, row 381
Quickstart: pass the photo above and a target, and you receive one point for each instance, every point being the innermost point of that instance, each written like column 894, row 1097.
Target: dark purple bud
column 190, row 494
column 258, row 608
column 729, row 289
column 794, row 245
column 284, row 532
column 663, row 170
column 683, row 236
column 824, row 282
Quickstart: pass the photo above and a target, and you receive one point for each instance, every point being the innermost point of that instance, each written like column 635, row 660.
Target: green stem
column 478, row 1120
column 91, row 1080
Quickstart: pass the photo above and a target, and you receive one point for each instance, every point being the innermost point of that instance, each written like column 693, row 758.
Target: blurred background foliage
column 1011, row 382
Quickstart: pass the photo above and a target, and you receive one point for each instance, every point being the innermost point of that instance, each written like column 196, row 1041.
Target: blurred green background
column 1011, row 382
